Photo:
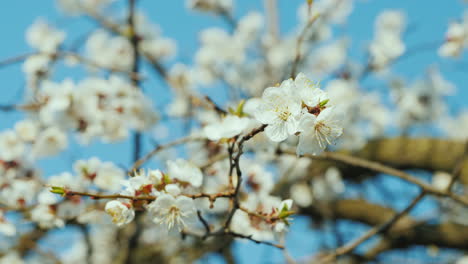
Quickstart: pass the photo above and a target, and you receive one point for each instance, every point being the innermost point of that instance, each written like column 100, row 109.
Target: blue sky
column 428, row 20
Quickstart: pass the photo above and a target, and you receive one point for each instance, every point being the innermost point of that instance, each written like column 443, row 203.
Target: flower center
column 283, row 113
column 322, row 132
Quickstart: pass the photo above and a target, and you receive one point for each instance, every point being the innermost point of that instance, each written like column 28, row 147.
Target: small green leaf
column 240, row 108
column 57, row 190
column 166, row 179
column 285, row 213
column 324, row 102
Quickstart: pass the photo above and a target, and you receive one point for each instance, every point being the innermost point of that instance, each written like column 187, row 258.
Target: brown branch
column 223, row 232
column 348, row 248
column 16, row 59
column 265, row 217
column 234, row 234
column 406, row 232
column 227, row 16
column 215, row 107
column 134, row 41
column 381, row 168
column 431, row 154
column 300, row 39
column 456, row 172
column 235, row 163
column 203, row 221
column 97, row 196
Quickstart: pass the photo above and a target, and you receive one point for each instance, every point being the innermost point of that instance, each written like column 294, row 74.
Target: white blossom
column 11, row 146
column 329, row 186
column 121, row 213
column 210, row 5
column 174, row 213
column 109, row 51
column 36, row 64
column 44, row 37
column 387, row 44
column 77, row 7
column 12, row 257
column 301, row 194
column 46, row 217
column 228, row 127
column 279, row 109
column 441, row 180
column 27, row 130
column 309, row 92
column 104, row 175
column 456, row 38
column 49, row 142
column 185, row 171
column 318, row 131
column 18, row 193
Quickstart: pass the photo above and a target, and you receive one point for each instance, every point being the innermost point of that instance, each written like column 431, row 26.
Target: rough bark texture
column 406, row 153
column 405, row 233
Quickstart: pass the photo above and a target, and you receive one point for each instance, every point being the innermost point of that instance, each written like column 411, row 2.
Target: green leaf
column 323, row 103
column 57, row 190
column 285, row 213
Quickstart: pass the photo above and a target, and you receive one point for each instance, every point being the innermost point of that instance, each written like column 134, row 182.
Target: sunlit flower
column 174, row 213
column 318, row 131
column 228, row 127
column 279, row 109
column 185, row 171
column 121, row 213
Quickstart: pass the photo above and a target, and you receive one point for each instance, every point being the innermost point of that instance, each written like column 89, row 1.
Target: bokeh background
column 427, row 23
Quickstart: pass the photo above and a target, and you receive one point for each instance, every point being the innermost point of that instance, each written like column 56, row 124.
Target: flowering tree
column 243, row 169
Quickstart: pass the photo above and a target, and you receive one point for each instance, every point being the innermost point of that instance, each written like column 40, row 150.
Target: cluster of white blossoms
column 222, row 53
column 30, row 141
column 423, row 101
column 215, row 6
column 299, row 107
column 456, row 38
column 116, row 52
column 43, row 37
column 172, row 207
column 78, row 7
column 387, row 44
column 95, row 108
column 267, row 207
column 46, row 39
column 47, row 210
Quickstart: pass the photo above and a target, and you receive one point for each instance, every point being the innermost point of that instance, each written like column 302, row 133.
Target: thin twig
column 348, row 248
column 236, row 161
column 218, row 109
column 456, row 172
column 159, row 148
column 227, row 16
column 203, row 221
column 249, row 237
column 16, row 59
column 134, row 41
column 300, row 39
column 98, row 196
